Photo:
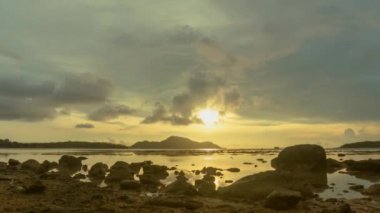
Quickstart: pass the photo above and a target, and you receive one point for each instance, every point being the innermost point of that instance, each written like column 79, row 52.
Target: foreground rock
column 98, row 171
column 333, row 165
column 31, row 185
column 299, row 168
column 152, row 174
column 70, row 163
column 206, row 186
column 373, row 190
column 120, row 171
column 176, row 203
column 181, row 186
column 33, row 165
column 130, row 185
column 282, row 199
column 259, row 186
column 305, row 162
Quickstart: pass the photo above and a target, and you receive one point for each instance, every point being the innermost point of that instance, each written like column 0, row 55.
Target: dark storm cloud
column 83, row 88
column 109, row 112
column 31, row 99
column 25, row 109
column 12, row 86
column 85, row 126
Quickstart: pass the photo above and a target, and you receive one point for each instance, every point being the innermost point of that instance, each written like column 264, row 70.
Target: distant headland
column 363, row 144
column 175, row 142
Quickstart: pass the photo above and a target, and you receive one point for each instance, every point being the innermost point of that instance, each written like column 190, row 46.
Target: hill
column 175, row 142
column 363, row 144
column 6, row 143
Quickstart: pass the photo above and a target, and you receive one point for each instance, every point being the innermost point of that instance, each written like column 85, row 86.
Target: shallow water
column 189, row 160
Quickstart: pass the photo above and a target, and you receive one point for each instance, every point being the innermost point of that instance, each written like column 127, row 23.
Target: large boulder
column 120, row 171
column 98, row 171
column 181, row 186
column 282, row 199
column 260, row 185
column 3, row 166
column 70, row 163
column 303, row 158
column 305, row 162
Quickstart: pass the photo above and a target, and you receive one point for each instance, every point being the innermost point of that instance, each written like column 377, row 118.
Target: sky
column 269, row 73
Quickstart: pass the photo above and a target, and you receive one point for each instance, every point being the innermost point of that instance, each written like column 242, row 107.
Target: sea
column 249, row 161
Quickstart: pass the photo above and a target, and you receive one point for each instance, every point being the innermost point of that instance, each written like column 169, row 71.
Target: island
column 175, row 142
column 363, row 144
column 6, row 143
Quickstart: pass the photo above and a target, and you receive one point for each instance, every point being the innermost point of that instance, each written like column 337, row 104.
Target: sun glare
column 209, row 117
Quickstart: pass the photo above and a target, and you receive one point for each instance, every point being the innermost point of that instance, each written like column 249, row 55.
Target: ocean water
column 249, row 161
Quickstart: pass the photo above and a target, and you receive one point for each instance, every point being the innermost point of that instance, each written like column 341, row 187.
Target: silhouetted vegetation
column 364, row 144
column 6, row 143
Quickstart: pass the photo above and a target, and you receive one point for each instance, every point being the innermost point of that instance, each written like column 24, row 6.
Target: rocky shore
column 300, row 173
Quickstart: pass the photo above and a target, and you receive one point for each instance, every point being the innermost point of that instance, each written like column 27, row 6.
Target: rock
column 372, row 166
column 233, row 170
column 130, row 184
column 32, row 185
column 175, row 203
column 341, row 155
column 149, row 179
column 333, row 165
column 373, row 190
column 228, row 181
column 120, row 171
column 47, row 165
column 70, row 163
column 357, row 187
column 136, row 167
column 181, row 186
column 32, row 165
column 98, row 171
column 282, row 199
column 210, row 170
column 305, row 162
column 344, row 208
column 156, row 170
column 247, row 163
column 260, row 185
column 206, row 186
column 85, row 168
column 303, row 158
column 13, row 162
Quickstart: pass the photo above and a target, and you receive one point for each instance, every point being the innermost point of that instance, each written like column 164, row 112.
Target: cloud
column 204, row 89
column 83, row 88
column 109, row 112
column 32, row 99
column 25, row 109
column 84, row 126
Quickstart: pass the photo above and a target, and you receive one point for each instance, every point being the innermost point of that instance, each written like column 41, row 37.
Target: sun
column 209, row 117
